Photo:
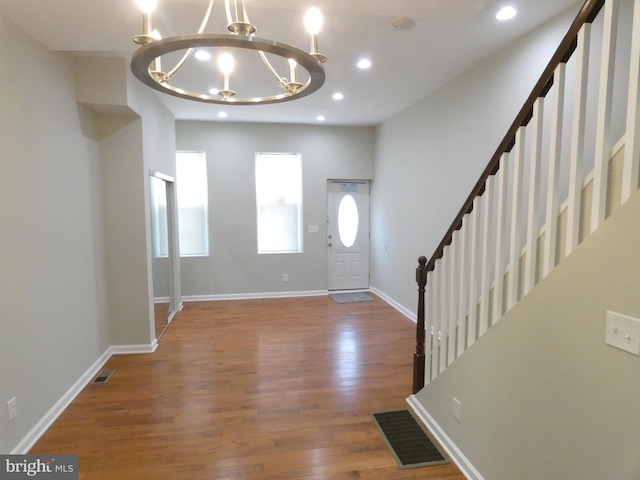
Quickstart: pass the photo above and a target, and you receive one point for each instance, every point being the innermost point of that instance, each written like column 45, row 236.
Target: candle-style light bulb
column 292, row 69
column 147, row 7
column 226, row 65
column 313, row 22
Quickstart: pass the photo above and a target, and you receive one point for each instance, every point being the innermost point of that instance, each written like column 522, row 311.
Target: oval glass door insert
column 348, row 220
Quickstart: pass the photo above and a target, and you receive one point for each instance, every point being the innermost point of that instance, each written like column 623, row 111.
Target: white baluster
column 514, row 241
column 463, row 289
column 551, row 231
column 632, row 136
column 432, row 331
column 485, row 284
column 473, row 273
column 603, row 128
column 444, row 307
column 502, row 179
column 454, row 284
column 577, row 138
column 534, row 194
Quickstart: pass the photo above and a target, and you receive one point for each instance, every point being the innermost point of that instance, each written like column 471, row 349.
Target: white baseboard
column 173, row 314
column 54, row 412
column 402, row 309
column 462, row 462
column 253, row 296
column 133, row 349
column 309, row 293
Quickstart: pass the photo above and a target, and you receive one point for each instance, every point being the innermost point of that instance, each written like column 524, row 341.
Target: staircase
column 569, row 160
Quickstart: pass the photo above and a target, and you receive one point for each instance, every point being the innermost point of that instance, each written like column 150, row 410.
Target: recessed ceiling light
column 506, row 13
column 222, row 114
column 321, row 118
column 203, row 55
column 338, row 96
column 364, row 63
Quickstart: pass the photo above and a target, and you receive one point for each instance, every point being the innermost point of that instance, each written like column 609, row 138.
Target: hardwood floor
column 258, row 389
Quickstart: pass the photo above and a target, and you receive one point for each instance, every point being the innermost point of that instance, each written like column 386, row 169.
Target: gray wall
column 542, row 395
column 75, row 241
column 123, row 179
column 130, row 147
column 53, row 306
column 429, row 156
column 234, row 267
column 136, row 134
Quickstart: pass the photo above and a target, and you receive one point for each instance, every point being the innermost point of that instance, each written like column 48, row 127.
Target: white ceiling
column 447, row 37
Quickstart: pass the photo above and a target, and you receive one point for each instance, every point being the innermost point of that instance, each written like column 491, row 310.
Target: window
column 193, row 199
column 348, row 220
column 279, row 202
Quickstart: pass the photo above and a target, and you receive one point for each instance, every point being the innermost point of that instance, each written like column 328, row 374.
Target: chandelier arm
column 178, row 65
column 269, row 66
column 205, row 20
column 188, row 53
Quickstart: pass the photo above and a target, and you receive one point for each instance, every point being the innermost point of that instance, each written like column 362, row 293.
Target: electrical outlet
column 457, row 409
column 285, row 277
column 12, row 408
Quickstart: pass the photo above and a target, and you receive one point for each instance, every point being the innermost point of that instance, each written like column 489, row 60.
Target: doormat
column 351, row 297
column 407, row 440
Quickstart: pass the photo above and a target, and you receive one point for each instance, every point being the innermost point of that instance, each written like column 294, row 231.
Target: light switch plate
column 457, row 409
column 12, row 409
column 623, row 332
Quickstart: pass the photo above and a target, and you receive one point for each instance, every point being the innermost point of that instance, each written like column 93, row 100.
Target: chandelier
column 304, row 71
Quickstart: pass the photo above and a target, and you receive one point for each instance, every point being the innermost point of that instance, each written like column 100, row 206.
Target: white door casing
column 348, row 234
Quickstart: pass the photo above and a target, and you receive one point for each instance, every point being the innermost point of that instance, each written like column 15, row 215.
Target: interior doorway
column 164, row 252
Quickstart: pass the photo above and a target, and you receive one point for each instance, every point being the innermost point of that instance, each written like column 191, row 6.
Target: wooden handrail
column 587, row 14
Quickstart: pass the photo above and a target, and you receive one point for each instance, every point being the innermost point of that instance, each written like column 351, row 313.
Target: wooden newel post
column 418, row 357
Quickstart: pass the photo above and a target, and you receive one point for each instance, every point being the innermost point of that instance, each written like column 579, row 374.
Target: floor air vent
column 103, row 376
column 407, row 440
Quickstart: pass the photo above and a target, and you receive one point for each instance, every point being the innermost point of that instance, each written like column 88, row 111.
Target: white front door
column 348, row 234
